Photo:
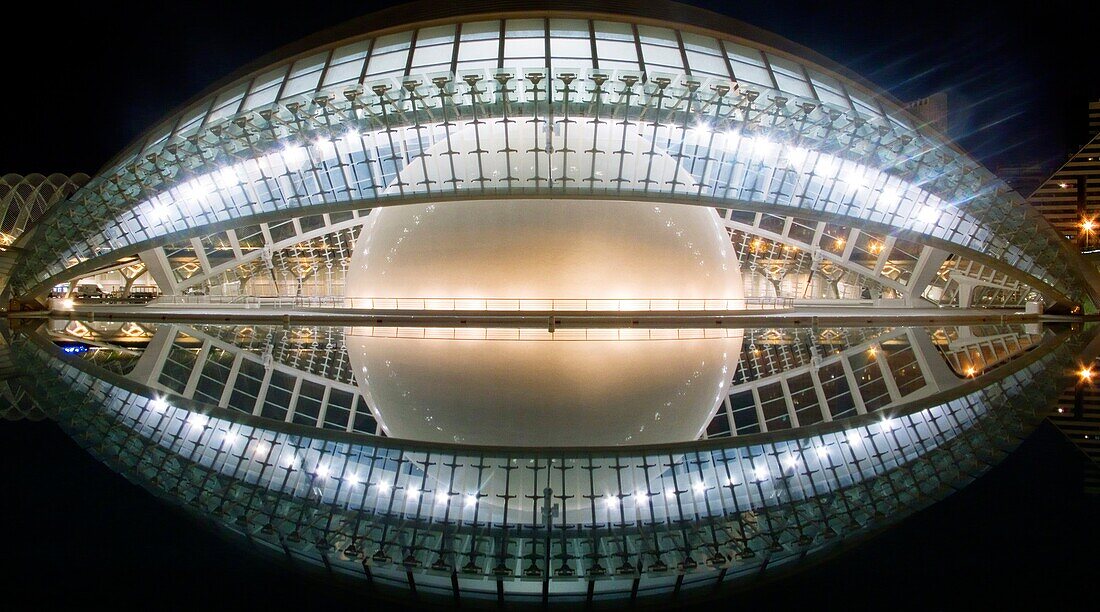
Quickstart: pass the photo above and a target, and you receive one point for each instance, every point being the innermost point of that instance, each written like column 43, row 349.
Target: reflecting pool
column 619, row 460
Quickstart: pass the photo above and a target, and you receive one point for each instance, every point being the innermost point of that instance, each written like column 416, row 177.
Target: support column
column 156, row 262
column 149, row 365
column 924, row 272
column 933, row 366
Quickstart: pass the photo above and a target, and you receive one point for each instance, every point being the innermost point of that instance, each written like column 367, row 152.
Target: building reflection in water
column 819, row 436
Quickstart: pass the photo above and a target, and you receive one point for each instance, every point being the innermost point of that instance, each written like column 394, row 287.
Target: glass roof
column 752, row 126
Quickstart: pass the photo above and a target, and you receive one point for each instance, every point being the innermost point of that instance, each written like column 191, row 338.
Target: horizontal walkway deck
column 794, row 317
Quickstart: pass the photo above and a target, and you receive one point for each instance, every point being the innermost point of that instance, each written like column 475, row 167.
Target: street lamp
column 1088, row 226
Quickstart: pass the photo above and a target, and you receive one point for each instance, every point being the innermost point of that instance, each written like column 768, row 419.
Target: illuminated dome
column 544, row 249
column 534, row 391
column 557, row 249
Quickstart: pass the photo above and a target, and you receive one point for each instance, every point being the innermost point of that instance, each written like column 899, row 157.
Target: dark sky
column 1020, row 74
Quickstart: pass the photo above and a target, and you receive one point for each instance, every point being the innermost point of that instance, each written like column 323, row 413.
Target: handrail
column 487, row 304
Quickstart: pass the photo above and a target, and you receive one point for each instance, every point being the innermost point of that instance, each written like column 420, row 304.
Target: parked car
column 88, row 293
column 144, row 293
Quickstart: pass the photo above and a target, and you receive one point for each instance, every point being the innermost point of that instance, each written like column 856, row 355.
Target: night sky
column 82, row 82
column 1019, row 78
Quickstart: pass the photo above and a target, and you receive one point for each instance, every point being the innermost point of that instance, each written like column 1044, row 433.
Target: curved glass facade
column 220, row 331
column 755, row 129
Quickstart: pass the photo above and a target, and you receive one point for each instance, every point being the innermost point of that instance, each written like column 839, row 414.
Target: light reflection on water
column 533, row 387
column 908, row 425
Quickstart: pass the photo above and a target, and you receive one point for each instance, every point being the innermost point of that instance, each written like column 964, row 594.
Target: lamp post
column 1087, row 224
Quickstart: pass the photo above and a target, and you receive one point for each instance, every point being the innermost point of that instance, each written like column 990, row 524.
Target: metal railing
column 483, row 304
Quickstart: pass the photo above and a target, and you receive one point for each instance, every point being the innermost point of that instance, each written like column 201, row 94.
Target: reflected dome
column 542, row 392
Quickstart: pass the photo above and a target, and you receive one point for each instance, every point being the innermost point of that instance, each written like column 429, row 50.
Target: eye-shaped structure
column 543, row 302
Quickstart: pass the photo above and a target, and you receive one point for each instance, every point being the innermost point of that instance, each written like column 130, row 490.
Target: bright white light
column 412, row 494
column 797, row 156
column 889, row 198
column 611, row 501
column 322, row 471
column 67, row 304
column 159, row 405
column 732, row 138
column 854, row 176
column 762, row 473
column 198, row 188
column 189, row 191
column 791, row 463
column 701, row 129
column 290, row 461
column 699, row 488
column 231, row 438
column 641, row 497
column 441, row 497
column 854, row 438
column 826, row 165
column 294, row 156
column 261, row 449
column 928, row 214
column 471, row 499
column 762, row 146
column 196, row 419
column 822, row 452
column 325, row 147
column 731, row 481
column 225, row 178
column 383, row 487
column 670, row 494
column 352, row 480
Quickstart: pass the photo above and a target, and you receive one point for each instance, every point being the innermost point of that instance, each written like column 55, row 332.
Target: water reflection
column 570, row 388
column 230, row 421
column 534, row 388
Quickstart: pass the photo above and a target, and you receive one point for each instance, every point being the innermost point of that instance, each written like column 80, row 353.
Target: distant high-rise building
column 1094, row 119
column 1025, row 178
column 934, row 110
column 1077, row 415
column 1070, row 200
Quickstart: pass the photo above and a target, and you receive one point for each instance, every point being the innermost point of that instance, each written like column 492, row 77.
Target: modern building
column 1024, row 178
column 1094, row 119
column 1070, row 200
column 537, row 302
column 933, row 110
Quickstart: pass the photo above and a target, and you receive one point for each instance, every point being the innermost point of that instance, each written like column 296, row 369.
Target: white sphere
column 544, row 249
column 544, row 392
